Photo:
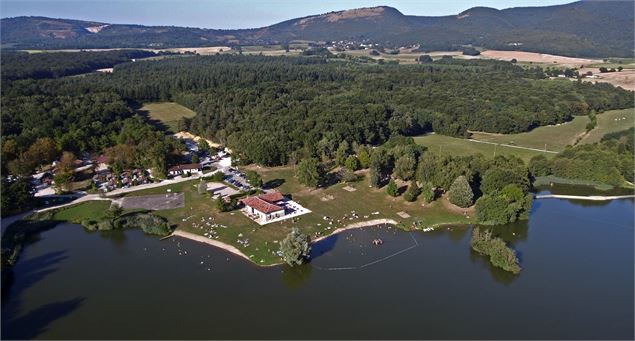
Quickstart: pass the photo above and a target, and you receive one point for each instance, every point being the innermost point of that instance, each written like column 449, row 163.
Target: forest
column 273, row 110
column 22, row 65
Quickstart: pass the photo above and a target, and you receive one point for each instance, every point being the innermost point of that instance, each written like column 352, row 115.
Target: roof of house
column 102, row 159
column 261, row 205
column 185, row 167
column 272, row 197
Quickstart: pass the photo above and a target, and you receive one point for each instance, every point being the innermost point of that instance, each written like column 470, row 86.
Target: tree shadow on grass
column 271, row 184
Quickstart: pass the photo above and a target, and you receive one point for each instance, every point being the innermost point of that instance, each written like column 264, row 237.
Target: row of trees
column 608, row 162
column 499, row 187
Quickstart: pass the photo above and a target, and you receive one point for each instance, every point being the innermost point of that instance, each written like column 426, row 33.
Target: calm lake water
column 576, row 283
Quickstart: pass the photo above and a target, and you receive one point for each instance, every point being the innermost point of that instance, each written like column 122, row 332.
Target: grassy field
column 558, row 136
column 94, row 210
column 458, row 146
column 167, row 113
column 609, row 122
column 334, row 202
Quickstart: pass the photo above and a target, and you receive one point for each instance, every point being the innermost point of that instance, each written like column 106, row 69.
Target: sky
column 230, row 14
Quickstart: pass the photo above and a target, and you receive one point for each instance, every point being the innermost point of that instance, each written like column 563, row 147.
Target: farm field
column 167, row 113
column 624, row 78
column 464, row 147
column 540, row 58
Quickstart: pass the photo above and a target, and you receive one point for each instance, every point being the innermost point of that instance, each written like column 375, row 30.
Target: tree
column 460, row 193
column 364, row 157
column 296, row 247
column 195, row 158
column 17, row 196
column 514, row 61
column 405, row 167
column 65, row 172
column 352, row 163
column 342, row 153
column 497, row 177
column 203, row 146
column 392, row 189
column 539, row 165
column 427, row 191
column 42, row 151
column 374, row 178
column 220, row 204
column 254, row 178
column 310, row 172
column 412, row 192
column 114, row 212
column 424, row 59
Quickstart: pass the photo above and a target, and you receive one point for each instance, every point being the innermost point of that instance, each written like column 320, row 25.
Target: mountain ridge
column 583, row 28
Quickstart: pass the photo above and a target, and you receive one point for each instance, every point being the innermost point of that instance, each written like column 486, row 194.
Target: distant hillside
column 584, row 28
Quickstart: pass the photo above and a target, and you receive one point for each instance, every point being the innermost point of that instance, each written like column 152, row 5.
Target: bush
column 296, row 247
column 392, row 189
column 460, row 193
column 216, row 177
column 149, row 223
column 500, row 255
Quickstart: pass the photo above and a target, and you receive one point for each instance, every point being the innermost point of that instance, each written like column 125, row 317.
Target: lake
column 576, row 283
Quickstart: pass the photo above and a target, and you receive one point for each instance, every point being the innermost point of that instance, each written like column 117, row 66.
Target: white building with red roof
column 270, row 207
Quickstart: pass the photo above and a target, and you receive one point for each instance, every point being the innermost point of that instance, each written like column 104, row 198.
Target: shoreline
column 234, row 250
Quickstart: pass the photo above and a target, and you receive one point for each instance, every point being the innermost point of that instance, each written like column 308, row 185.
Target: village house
column 187, row 169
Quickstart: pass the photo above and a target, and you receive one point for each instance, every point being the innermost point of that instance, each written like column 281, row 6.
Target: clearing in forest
column 167, row 113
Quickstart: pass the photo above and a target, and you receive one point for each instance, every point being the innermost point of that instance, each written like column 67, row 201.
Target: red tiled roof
column 261, row 205
column 102, row 159
column 272, row 197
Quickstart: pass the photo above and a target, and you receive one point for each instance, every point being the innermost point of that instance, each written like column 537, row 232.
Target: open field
column 168, row 113
column 335, row 202
column 557, row 137
column 458, row 146
column 624, row 78
column 541, row 58
column 609, row 122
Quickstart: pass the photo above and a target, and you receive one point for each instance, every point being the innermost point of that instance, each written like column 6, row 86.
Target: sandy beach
column 237, row 252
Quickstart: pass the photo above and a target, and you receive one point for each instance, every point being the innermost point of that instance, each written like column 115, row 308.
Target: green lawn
column 339, row 205
column 168, row 113
column 458, row 146
column 610, row 121
column 94, row 210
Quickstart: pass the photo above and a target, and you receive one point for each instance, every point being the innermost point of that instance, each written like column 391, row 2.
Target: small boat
column 377, row 242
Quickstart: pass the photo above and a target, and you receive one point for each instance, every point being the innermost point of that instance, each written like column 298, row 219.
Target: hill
column 583, row 28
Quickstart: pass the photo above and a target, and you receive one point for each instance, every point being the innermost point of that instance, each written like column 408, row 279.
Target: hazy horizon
column 230, row 14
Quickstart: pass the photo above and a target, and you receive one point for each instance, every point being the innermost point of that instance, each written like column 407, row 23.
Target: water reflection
column 498, row 274
column 295, row 276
